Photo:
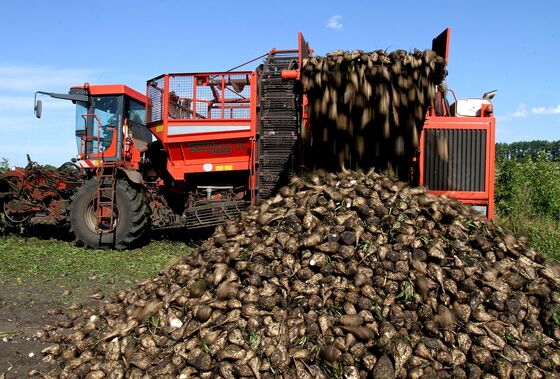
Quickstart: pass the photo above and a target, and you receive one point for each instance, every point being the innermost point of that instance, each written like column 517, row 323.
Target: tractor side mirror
column 38, row 108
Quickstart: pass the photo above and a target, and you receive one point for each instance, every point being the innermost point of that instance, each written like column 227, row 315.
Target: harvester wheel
column 131, row 217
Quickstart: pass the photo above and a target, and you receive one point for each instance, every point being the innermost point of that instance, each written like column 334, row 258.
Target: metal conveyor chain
column 278, row 124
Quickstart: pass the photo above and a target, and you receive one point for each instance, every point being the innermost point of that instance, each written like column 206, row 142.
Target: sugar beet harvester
column 223, row 141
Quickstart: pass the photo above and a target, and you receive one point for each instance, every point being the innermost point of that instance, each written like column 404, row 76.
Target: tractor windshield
column 106, row 108
column 103, row 123
column 97, row 135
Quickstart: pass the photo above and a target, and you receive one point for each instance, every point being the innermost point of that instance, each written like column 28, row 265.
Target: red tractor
column 223, row 141
column 100, row 195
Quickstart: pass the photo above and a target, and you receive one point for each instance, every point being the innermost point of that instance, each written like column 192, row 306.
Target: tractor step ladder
column 106, row 197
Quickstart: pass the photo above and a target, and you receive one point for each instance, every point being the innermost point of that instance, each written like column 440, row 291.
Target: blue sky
column 51, row 45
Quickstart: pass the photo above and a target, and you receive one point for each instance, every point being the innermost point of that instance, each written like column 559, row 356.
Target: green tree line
column 534, row 150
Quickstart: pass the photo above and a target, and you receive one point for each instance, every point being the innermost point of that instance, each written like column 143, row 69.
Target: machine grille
column 155, row 100
column 212, row 213
column 455, row 159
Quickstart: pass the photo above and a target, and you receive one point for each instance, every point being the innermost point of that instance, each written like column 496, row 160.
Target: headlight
column 481, row 209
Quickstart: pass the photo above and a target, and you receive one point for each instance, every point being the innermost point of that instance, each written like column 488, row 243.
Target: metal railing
column 206, row 96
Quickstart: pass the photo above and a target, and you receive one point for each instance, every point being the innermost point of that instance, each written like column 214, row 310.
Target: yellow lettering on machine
column 224, row 168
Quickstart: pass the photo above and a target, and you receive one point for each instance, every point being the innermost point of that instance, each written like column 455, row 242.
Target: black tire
column 131, row 217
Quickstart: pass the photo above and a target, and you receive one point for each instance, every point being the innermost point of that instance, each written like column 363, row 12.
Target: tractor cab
column 110, row 123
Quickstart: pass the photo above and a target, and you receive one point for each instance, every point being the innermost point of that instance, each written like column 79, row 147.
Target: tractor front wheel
column 130, row 217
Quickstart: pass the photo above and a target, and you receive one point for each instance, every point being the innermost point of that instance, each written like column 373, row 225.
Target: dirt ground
column 24, row 309
column 41, row 278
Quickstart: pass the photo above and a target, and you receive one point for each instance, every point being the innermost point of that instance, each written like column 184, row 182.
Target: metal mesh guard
column 210, row 96
column 155, row 100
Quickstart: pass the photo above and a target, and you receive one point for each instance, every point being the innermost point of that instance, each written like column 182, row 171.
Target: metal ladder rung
column 105, row 189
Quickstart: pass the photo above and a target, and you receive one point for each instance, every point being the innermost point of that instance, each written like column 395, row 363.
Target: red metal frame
column 440, row 44
column 301, row 43
column 233, row 133
column 211, row 134
column 486, row 123
column 113, row 89
column 39, row 193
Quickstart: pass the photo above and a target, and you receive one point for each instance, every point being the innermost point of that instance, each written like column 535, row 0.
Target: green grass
column 30, row 261
column 543, row 233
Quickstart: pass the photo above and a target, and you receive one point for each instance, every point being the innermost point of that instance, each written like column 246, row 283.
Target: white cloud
column 546, row 110
column 521, row 111
column 34, row 78
column 335, row 22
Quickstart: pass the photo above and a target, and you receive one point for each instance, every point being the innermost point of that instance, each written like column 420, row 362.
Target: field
column 39, row 278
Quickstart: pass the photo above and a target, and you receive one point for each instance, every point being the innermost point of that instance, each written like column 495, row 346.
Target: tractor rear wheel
column 131, row 217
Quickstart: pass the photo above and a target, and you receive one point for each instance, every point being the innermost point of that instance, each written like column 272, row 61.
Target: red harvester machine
column 224, row 140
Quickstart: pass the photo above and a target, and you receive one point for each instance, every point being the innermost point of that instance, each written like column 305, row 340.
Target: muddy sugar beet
column 339, row 275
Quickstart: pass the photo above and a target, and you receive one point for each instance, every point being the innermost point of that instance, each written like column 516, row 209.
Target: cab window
column 81, row 111
column 106, row 108
column 136, row 112
column 136, row 118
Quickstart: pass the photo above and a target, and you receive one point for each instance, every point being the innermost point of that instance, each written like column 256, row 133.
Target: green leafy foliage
column 527, row 197
column 556, row 318
column 529, row 188
column 7, row 227
column 4, row 165
column 253, row 339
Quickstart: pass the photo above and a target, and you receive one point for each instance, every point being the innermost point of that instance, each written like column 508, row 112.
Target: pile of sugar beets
column 348, row 275
column 367, row 109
